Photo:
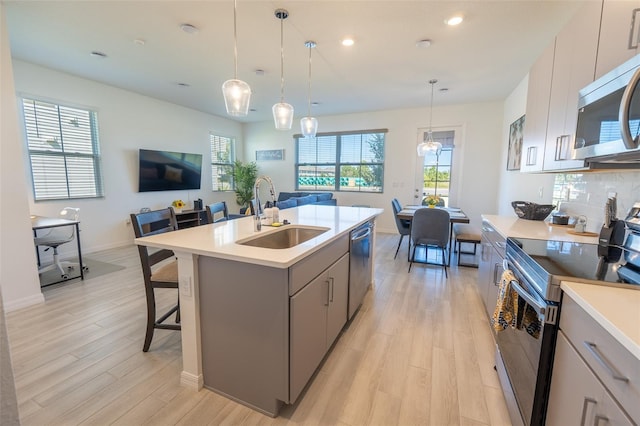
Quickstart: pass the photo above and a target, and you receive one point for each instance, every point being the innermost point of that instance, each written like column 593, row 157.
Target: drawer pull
column 592, row 347
column 585, row 406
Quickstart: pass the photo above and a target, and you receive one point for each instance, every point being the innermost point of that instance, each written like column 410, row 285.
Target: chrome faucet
column 272, row 190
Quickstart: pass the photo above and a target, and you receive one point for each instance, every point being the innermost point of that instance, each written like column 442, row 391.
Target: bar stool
column 469, row 235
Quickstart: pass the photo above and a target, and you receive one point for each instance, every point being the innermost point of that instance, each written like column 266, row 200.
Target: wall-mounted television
column 168, row 171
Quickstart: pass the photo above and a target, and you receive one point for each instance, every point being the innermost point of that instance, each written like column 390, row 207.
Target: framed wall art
column 270, row 155
column 514, row 156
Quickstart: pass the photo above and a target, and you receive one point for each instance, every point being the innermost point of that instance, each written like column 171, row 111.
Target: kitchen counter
column 210, row 264
column 511, row 226
column 617, row 310
column 220, row 239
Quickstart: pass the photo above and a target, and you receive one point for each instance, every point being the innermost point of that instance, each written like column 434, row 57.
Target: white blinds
column 64, row 151
column 222, row 158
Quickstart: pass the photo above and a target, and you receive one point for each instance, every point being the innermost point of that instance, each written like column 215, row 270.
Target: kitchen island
column 257, row 321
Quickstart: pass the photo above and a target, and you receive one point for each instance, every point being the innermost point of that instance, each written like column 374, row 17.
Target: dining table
column 456, row 215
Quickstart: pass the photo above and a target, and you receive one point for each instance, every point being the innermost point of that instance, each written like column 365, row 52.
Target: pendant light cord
column 235, row 42
column 431, row 108
column 310, row 47
column 281, row 59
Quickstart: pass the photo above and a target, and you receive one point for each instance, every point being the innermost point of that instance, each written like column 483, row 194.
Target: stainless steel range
column 524, row 362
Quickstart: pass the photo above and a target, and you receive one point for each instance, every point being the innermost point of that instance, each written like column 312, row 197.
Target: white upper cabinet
column 619, row 32
column 573, row 68
column 535, row 121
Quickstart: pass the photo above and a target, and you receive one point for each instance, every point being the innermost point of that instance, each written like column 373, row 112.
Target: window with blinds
column 63, row 150
column 342, row 161
column 222, row 159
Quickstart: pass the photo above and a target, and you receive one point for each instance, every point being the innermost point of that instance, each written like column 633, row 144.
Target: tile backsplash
column 586, row 194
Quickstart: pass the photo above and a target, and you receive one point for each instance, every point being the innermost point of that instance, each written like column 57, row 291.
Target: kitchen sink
column 284, row 238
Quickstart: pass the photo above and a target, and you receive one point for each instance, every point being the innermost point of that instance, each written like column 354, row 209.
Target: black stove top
column 564, row 260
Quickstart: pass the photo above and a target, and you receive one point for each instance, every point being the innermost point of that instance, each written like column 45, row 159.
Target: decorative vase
column 431, row 206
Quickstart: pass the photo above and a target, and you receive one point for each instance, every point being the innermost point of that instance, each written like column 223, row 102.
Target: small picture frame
column 514, row 156
column 270, row 155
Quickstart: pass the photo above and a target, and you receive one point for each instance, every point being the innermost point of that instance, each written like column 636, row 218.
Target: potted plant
column 431, row 200
column 244, row 177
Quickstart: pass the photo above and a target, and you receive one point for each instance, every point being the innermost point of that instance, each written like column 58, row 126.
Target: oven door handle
column 541, row 309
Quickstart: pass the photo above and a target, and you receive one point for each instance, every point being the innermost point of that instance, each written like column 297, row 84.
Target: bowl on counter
column 531, row 211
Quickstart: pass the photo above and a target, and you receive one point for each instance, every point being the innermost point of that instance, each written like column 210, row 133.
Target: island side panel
column 244, row 323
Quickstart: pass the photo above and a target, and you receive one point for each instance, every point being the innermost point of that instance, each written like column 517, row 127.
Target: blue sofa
column 287, row 200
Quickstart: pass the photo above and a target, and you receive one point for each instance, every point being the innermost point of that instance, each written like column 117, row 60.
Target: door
column 338, row 277
column 485, row 270
column 439, row 174
column 619, row 31
column 493, row 286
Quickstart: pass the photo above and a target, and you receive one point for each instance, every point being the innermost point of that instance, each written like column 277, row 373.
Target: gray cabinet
column 318, row 313
column 595, row 379
column 490, row 268
column 577, row 397
column 619, row 30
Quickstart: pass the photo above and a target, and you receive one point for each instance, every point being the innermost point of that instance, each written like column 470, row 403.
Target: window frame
column 447, row 139
column 66, row 155
column 230, row 164
column 338, row 164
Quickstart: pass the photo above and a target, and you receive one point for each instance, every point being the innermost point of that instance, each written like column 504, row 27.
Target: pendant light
column 282, row 111
column 430, row 146
column 236, row 92
column 309, row 124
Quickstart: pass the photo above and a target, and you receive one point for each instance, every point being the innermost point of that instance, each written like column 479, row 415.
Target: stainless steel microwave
column 608, row 126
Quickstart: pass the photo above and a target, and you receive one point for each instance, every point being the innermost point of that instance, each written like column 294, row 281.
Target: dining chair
column 213, row 211
column 157, row 270
column 404, row 226
column 430, row 228
column 56, row 237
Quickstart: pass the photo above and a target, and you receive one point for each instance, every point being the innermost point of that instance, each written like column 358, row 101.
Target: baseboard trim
column 25, row 302
column 191, row 381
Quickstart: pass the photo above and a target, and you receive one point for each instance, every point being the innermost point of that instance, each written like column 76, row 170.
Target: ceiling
column 483, row 59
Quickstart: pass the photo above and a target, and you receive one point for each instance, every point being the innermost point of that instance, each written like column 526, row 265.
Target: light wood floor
column 419, row 352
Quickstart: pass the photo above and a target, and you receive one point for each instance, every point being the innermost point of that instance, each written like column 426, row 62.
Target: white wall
column 127, row 122
column 477, row 170
column 18, row 273
column 516, row 186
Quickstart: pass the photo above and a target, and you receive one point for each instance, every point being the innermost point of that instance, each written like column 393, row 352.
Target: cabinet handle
column 328, row 293
column 593, row 348
column 596, row 421
column 331, row 287
column 585, row 405
column 495, row 273
column 634, row 34
column 562, row 147
column 532, row 154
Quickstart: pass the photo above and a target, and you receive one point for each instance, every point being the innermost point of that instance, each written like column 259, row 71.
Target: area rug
column 96, row 269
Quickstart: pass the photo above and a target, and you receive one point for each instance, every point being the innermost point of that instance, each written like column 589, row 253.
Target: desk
column 42, row 222
column 455, row 216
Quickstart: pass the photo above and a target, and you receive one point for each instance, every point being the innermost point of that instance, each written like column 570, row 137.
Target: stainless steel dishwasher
column 359, row 265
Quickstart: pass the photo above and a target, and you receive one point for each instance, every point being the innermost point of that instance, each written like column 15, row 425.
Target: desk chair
column 161, row 276
column 430, row 228
column 55, row 237
column 402, row 225
column 214, row 209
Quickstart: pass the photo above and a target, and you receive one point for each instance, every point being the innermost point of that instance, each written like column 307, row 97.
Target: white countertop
column 617, row 310
column 511, row 226
column 219, row 239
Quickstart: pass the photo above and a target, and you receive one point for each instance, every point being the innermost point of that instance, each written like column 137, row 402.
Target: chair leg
column 444, row 264
column 399, row 242
column 413, row 257
column 151, row 320
column 178, row 312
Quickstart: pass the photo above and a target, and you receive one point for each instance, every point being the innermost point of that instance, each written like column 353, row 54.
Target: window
column 63, row 151
column 222, row 158
column 437, row 168
column 343, row 161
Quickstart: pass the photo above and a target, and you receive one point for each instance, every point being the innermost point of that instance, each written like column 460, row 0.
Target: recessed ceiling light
column 424, row 43
column 454, row 20
column 347, row 41
column 188, row 28
column 139, row 41
column 97, row 54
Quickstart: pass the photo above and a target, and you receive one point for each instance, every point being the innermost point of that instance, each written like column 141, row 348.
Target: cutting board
column 582, row 234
